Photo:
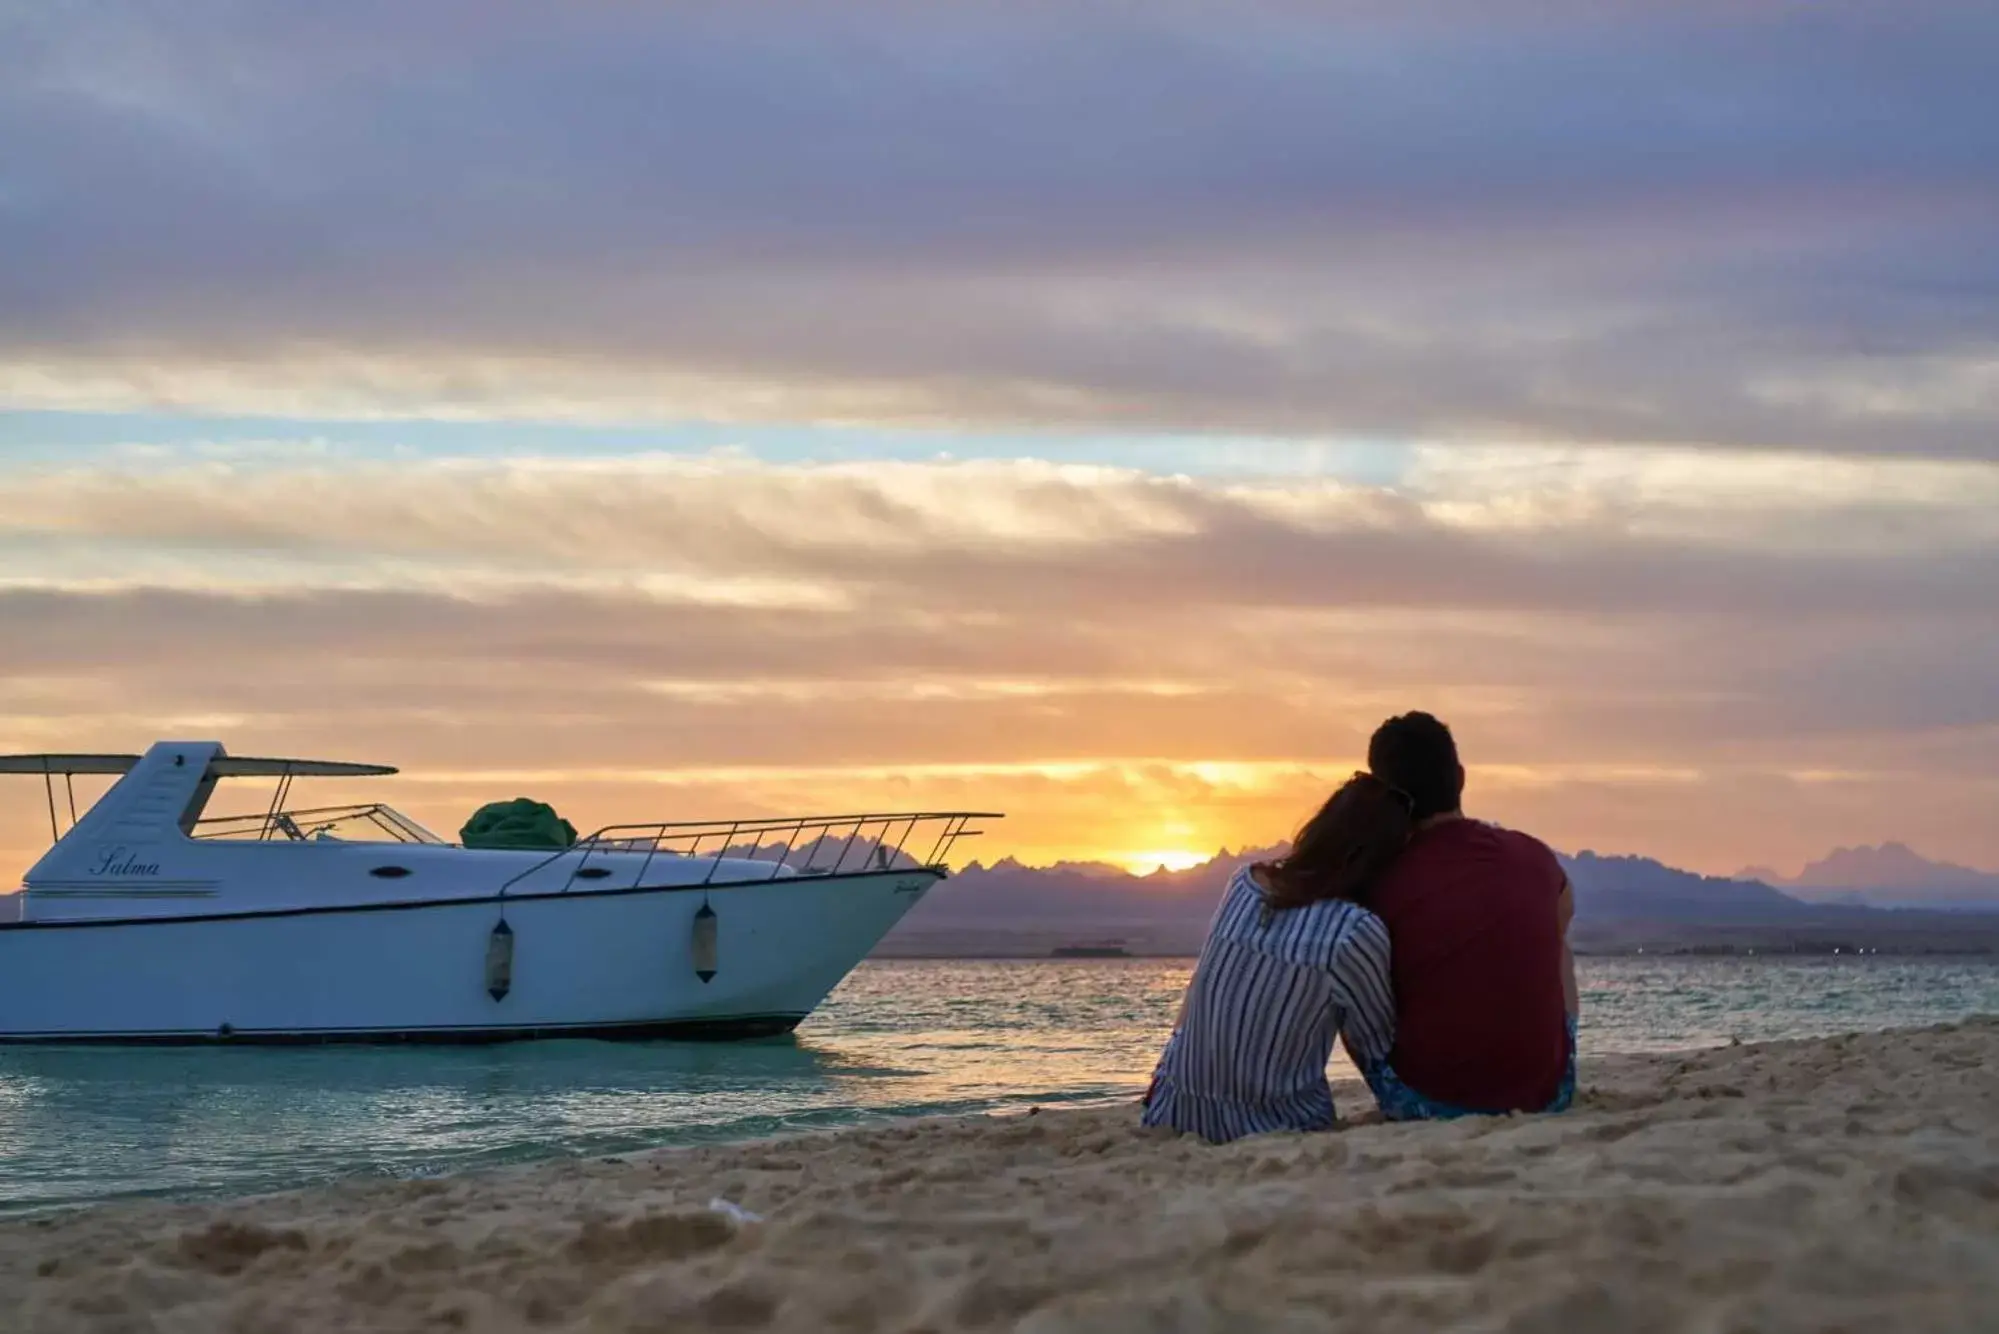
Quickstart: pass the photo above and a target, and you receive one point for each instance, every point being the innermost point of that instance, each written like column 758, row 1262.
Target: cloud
column 1746, row 225
column 1632, row 662
column 1568, row 534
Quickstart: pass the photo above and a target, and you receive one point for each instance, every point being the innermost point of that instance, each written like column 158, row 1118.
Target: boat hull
column 615, row 963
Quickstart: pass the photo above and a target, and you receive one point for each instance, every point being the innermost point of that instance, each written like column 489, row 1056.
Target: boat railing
column 370, row 820
column 811, row 846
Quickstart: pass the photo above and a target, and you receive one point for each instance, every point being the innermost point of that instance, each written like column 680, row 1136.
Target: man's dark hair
column 1415, row 753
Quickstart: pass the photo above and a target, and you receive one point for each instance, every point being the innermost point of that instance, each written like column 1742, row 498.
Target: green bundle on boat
column 520, row 823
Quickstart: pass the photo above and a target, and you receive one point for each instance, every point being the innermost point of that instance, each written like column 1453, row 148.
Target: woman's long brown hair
column 1343, row 849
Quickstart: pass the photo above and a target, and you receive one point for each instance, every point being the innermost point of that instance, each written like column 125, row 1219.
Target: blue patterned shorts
column 1399, row 1102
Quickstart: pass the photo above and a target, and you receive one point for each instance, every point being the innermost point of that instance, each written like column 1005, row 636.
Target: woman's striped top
column 1268, row 995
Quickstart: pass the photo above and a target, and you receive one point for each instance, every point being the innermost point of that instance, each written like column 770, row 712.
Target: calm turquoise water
column 898, row 1039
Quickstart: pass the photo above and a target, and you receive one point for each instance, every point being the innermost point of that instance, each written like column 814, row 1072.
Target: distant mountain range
column 1621, row 903
column 1892, row 875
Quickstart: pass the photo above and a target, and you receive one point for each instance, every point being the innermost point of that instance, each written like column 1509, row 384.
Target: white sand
column 1848, row 1184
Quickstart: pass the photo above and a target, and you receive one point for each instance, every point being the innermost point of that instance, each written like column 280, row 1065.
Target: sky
column 1097, row 412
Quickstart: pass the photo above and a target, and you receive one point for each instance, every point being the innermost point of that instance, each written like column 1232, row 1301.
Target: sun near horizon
column 1173, row 859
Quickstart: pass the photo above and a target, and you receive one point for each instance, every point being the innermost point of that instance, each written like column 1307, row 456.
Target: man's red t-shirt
column 1475, row 948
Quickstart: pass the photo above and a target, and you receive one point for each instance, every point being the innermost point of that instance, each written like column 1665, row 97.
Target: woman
column 1293, row 957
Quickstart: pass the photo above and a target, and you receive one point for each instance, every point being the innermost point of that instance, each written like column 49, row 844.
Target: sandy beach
column 1841, row 1184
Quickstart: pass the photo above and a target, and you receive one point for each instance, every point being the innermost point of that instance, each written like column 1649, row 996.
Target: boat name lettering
column 119, row 861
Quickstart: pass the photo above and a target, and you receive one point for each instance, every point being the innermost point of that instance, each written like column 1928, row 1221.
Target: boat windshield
column 371, row 823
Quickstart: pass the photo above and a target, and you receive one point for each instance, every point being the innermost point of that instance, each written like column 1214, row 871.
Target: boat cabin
column 148, row 848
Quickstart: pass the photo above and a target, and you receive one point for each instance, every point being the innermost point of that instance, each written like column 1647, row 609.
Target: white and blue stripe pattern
column 1269, row 994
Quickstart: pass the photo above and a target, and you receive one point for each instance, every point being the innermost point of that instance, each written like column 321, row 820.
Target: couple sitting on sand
column 1434, row 945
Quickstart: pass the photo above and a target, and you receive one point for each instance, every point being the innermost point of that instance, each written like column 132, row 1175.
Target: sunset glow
column 707, row 636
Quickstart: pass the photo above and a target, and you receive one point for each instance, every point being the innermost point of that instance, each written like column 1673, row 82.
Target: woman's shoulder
column 1239, row 894
column 1242, row 887
column 1238, row 911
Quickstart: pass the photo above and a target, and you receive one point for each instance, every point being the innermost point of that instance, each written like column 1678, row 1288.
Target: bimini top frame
column 68, row 766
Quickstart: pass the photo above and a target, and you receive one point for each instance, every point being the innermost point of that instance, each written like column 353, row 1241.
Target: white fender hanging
column 500, row 961
column 702, row 942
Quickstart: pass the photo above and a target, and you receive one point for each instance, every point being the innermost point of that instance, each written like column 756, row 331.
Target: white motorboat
column 151, row 921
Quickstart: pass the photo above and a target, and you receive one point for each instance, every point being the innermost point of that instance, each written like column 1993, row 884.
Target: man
column 1478, row 917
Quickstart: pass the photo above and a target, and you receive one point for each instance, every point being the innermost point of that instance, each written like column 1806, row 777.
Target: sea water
column 899, row 1038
